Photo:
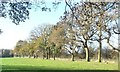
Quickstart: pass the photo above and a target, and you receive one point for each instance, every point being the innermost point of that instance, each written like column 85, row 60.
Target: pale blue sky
column 12, row 33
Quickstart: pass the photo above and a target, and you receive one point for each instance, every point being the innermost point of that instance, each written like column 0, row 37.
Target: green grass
column 40, row 64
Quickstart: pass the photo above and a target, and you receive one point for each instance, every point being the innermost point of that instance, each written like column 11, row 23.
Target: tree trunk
column 34, row 56
column 30, row 56
column 43, row 54
column 87, row 54
column 119, row 59
column 87, row 51
column 54, row 57
column 72, row 54
column 99, row 52
column 49, row 53
column 100, row 46
column 72, row 57
column 54, row 54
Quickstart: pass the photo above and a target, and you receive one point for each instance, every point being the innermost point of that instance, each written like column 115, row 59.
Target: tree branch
column 108, row 41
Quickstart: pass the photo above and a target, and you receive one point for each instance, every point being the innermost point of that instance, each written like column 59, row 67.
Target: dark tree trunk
column 54, row 57
column 34, row 56
column 99, row 51
column 54, row 54
column 72, row 57
column 100, row 46
column 49, row 53
column 43, row 54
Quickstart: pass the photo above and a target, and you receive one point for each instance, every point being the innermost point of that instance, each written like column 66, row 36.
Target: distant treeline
column 6, row 53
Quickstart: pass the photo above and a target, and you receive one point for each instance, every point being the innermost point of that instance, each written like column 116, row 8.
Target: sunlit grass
column 40, row 64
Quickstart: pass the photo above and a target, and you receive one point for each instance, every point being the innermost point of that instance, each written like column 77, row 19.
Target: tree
column 18, row 48
column 40, row 36
column 90, row 16
column 103, row 18
column 71, row 41
column 84, row 18
column 16, row 11
column 23, row 49
column 109, row 53
column 6, row 53
column 56, row 38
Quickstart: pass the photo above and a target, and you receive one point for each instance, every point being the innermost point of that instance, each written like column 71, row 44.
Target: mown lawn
column 30, row 64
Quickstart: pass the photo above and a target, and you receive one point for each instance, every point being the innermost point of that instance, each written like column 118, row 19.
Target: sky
column 12, row 33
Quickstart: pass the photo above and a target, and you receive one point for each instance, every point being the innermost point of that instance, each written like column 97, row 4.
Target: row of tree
column 82, row 25
column 6, row 53
column 27, row 51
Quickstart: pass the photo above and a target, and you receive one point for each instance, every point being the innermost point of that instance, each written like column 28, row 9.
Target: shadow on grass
column 60, row 71
column 24, row 67
column 19, row 68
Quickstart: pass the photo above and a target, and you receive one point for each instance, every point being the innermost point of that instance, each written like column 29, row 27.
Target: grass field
column 30, row 64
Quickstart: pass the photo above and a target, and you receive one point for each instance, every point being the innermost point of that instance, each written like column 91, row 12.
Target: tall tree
column 89, row 14
column 41, row 35
column 56, row 38
column 83, row 16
